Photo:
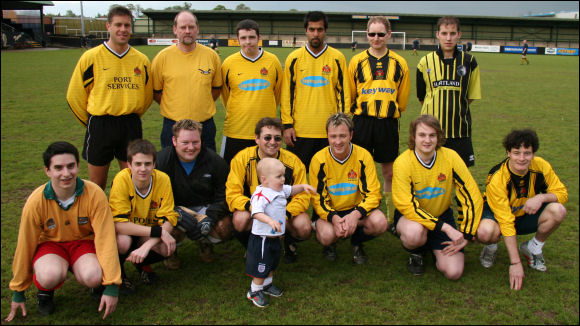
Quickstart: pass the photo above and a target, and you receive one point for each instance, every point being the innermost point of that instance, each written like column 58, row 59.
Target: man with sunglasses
column 243, row 180
column 379, row 86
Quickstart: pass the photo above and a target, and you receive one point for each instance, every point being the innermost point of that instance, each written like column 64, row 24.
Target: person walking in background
column 524, row 53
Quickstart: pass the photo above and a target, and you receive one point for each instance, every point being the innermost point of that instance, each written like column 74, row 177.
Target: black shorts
column 305, row 148
column 435, row 238
column 463, row 147
column 107, row 137
column 339, row 213
column 231, row 147
column 525, row 224
column 378, row 136
column 263, row 255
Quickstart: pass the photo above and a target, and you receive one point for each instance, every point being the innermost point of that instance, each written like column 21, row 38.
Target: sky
column 471, row 8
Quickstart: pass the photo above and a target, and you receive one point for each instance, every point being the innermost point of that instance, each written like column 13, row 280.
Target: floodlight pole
column 82, row 21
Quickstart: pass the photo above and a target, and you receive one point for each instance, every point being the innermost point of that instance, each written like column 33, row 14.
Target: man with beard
column 314, row 88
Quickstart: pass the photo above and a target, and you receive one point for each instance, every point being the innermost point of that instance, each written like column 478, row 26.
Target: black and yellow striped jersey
column 107, row 83
column 422, row 191
column 315, row 87
column 344, row 185
column 379, row 87
column 445, row 87
column 506, row 192
column 251, row 91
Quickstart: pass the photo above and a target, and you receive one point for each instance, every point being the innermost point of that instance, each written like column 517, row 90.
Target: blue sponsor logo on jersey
column 342, row 189
column 429, row 193
column 254, row 85
column 375, row 90
column 314, row 81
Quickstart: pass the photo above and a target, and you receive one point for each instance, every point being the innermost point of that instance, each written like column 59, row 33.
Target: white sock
column 492, row 247
column 257, row 287
column 535, row 246
column 267, row 281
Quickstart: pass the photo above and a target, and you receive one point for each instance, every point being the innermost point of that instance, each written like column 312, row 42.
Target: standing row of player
column 114, row 84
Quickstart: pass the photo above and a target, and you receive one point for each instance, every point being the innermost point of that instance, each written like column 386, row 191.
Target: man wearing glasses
column 379, row 86
column 243, row 180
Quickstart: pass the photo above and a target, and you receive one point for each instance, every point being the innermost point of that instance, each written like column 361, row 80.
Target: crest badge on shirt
column 50, row 224
column 379, row 74
column 261, row 267
column 352, row 175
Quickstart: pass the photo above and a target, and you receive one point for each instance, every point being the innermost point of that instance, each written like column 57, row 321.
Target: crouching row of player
column 523, row 196
column 72, row 225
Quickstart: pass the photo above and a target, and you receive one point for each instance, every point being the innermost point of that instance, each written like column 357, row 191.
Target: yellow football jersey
column 106, row 83
column 507, row 192
column 250, row 91
column 379, row 86
column 445, row 86
column 341, row 186
column 243, row 180
column 315, row 87
column 153, row 208
column 186, row 81
column 422, row 192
